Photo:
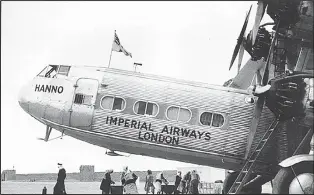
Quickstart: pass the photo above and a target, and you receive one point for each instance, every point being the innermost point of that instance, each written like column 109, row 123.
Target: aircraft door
column 83, row 104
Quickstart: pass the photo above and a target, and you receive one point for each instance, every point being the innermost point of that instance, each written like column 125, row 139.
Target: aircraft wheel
column 286, row 181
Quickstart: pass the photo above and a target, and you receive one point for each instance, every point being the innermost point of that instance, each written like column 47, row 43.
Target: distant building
column 7, row 175
column 87, row 173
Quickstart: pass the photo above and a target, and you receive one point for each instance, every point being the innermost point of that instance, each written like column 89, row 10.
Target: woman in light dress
column 128, row 179
column 159, row 180
column 149, row 186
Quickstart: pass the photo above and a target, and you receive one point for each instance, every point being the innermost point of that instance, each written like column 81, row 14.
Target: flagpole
column 111, row 48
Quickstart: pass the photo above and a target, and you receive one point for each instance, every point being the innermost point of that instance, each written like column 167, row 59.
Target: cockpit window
column 51, row 71
column 64, row 70
column 43, row 72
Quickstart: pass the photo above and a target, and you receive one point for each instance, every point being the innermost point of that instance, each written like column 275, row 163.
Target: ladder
column 248, row 166
column 279, row 57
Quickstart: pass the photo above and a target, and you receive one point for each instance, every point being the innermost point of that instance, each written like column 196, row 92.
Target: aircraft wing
column 244, row 79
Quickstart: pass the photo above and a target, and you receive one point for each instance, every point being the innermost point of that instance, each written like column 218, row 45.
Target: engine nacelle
column 286, row 97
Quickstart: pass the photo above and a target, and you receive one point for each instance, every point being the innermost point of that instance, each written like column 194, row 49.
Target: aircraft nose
column 22, row 99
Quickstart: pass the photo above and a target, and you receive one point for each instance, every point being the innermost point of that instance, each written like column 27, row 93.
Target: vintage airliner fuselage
column 152, row 115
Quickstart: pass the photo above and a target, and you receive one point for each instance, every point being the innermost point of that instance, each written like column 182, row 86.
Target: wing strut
column 48, row 131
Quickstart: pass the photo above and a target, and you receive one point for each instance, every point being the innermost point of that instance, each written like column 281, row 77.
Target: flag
column 116, row 46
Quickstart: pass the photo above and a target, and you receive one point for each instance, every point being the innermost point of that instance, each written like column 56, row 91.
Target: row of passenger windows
column 174, row 113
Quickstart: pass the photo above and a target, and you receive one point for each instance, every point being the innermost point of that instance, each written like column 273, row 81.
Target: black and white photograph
column 157, row 97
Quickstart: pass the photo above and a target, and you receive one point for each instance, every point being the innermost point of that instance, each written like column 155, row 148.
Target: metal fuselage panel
column 50, row 99
column 222, row 147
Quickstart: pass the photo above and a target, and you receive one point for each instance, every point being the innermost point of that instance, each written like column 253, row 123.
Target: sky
column 186, row 40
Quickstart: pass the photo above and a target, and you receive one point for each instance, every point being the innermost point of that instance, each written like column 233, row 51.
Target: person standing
column 149, row 186
column 159, row 180
column 128, row 179
column 59, row 188
column 106, row 182
column 177, row 182
column 184, row 184
column 44, row 190
column 195, row 180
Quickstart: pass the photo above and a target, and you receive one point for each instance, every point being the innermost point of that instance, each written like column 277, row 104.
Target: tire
column 231, row 177
column 285, row 175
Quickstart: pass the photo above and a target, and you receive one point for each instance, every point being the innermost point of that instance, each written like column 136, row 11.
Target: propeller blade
column 234, row 55
column 241, row 52
column 240, row 38
column 258, row 18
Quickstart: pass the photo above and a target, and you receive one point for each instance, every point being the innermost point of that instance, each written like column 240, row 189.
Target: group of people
column 150, row 186
column 188, row 184
column 128, row 181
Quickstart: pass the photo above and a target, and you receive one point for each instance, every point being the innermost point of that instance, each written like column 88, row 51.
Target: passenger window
column 184, row 115
column 106, row 102
column 141, row 108
column 172, row 113
column 150, row 108
column 112, row 103
column 218, row 120
column 146, row 108
column 178, row 114
column 117, row 104
column 206, row 118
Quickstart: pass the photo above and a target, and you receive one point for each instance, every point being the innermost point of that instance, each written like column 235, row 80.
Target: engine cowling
column 286, row 96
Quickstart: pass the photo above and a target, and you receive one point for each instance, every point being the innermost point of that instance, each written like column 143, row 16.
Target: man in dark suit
column 177, row 182
column 60, row 187
column 106, row 182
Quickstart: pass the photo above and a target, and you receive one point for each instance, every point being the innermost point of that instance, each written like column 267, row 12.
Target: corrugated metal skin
column 277, row 149
column 264, row 122
column 240, row 120
column 230, row 141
